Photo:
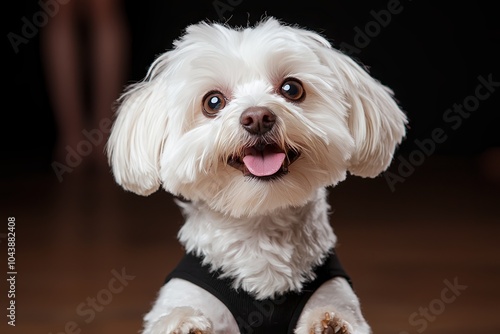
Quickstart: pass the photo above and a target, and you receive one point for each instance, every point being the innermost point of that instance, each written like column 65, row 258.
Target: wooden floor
column 403, row 249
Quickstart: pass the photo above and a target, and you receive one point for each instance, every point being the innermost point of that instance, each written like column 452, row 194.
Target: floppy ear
column 376, row 122
column 137, row 137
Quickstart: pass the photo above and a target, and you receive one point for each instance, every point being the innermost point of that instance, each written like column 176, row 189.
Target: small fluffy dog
column 249, row 126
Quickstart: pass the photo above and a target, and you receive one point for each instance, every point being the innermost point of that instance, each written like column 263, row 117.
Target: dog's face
column 252, row 120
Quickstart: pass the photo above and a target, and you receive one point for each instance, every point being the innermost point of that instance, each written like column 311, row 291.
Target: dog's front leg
column 332, row 309
column 185, row 308
column 181, row 320
column 325, row 321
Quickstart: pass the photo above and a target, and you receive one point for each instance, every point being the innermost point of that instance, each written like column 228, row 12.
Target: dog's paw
column 331, row 324
column 182, row 320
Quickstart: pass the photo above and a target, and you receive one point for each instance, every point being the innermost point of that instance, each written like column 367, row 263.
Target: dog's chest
column 280, row 251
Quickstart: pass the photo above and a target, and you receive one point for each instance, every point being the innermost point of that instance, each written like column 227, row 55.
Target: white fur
column 189, row 299
column 337, row 298
column 270, row 252
column 266, row 235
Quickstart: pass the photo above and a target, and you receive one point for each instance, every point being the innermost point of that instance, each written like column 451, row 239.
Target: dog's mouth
column 264, row 161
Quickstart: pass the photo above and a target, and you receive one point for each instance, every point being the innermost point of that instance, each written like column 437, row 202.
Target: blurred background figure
column 85, row 49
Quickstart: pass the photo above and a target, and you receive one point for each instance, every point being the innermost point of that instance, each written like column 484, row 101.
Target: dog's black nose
column 258, row 120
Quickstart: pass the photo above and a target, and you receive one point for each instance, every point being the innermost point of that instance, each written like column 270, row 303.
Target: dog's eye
column 213, row 102
column 292, row 90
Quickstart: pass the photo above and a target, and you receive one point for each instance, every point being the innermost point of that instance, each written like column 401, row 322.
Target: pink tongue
column 263, row 163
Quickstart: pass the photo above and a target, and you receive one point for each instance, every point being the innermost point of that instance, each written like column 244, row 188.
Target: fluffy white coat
column 266, row 234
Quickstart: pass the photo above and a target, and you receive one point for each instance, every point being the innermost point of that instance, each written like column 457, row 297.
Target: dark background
column 400, row 245
column 430, row 54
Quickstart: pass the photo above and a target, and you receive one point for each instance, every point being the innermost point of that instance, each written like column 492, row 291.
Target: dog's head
column 252, row 120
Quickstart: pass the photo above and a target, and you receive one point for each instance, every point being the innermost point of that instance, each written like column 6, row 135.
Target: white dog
column 249, row 126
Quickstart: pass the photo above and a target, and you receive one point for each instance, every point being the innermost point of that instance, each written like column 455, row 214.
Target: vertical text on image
column 11, row 273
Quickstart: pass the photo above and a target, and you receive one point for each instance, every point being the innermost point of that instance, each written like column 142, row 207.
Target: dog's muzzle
column 263, row 160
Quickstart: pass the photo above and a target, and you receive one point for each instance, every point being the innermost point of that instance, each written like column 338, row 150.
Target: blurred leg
column 60, row 50
column 110, row 56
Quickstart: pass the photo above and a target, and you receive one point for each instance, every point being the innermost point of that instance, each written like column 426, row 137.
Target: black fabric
column 278, row 315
